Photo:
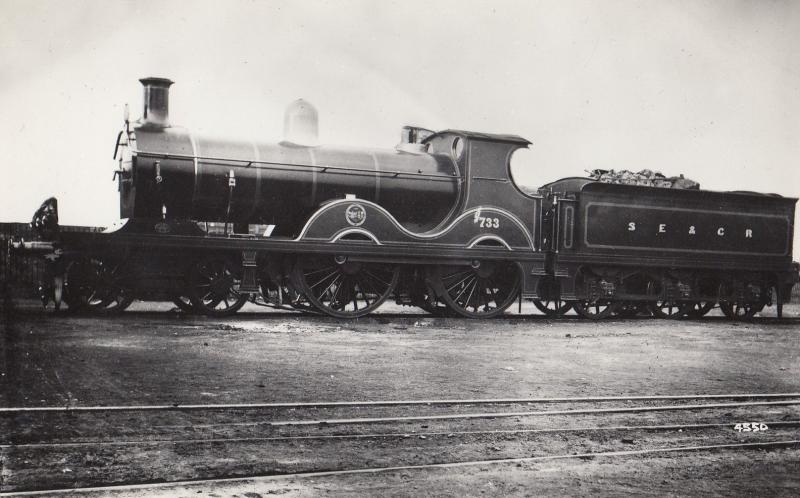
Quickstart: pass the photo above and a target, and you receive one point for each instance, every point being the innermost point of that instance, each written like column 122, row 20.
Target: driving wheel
column 342, row 288
column 480, row 290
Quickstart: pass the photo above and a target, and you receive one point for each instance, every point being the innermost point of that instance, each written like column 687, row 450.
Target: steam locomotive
column 437, row 223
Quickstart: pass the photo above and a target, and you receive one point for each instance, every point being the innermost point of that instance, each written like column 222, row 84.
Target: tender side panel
column 625, row 225
column 651, row 228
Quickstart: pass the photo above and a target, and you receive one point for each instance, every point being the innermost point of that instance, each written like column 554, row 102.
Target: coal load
column 645, row 177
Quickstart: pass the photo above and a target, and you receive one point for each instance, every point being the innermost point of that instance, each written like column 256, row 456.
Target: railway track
column 426, row 402
column 135, row 445
column 768, row 445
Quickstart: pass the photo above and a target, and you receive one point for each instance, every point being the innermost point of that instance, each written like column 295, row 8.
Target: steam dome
column 300, row 123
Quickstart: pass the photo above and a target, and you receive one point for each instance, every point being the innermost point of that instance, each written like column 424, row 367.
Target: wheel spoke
column 463, row 290
column 314, row 272
column 352, row 290
column 364, row 293
column 380, row 280
column 459, row 282
column 213, row 288
column 330, row 289
column 367, row 281
column 334, row 273
column 471, row 292
column 337, row 277
column 454, row 274
column 480, row 292
column 364, row 290
column 494, row 295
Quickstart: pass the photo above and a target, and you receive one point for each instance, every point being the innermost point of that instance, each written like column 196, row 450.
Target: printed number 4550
column 488, row 222
column 750, row 427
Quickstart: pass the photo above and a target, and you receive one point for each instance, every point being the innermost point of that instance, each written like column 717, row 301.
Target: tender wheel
column 213, row 288
column 482, row 290
column 345, row 289
column 596, row 310
column 597, row 304
column 663, row 308
column 698, row 309
column 666, row 309
column 742, row 300
column 93, row 285
column 736, row 311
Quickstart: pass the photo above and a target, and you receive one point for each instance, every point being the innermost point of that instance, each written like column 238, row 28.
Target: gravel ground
column 152, row 355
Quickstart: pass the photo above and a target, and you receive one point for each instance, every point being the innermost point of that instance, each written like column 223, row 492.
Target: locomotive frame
column 341, row 250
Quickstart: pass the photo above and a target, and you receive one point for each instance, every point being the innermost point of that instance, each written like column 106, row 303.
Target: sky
column 709, row 89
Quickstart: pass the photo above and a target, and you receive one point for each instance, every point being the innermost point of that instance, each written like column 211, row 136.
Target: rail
column 333, row 404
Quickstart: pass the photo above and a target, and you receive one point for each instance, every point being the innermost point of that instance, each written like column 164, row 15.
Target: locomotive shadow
column 16, row 309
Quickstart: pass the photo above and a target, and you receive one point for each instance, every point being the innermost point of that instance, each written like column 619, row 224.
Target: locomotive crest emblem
column 355, row 214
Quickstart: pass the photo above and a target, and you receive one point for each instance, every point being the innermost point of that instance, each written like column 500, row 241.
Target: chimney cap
column 154, row 81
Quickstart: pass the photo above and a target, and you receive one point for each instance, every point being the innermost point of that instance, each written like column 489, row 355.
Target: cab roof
column 516, row 139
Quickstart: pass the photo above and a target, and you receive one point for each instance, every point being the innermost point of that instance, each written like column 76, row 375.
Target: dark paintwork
column 596, row 221
column 279, row 184
column 422, row 205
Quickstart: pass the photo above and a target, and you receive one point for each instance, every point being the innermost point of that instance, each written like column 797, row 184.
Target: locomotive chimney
column 300, row 123
column 156, row 102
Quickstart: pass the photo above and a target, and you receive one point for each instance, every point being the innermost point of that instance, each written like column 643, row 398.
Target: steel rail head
column 334, row 404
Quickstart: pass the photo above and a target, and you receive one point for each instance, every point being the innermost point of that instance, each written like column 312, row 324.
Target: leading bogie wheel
column 96, row 285
column 483, row 289
column 343, row 288
column 214, row 287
